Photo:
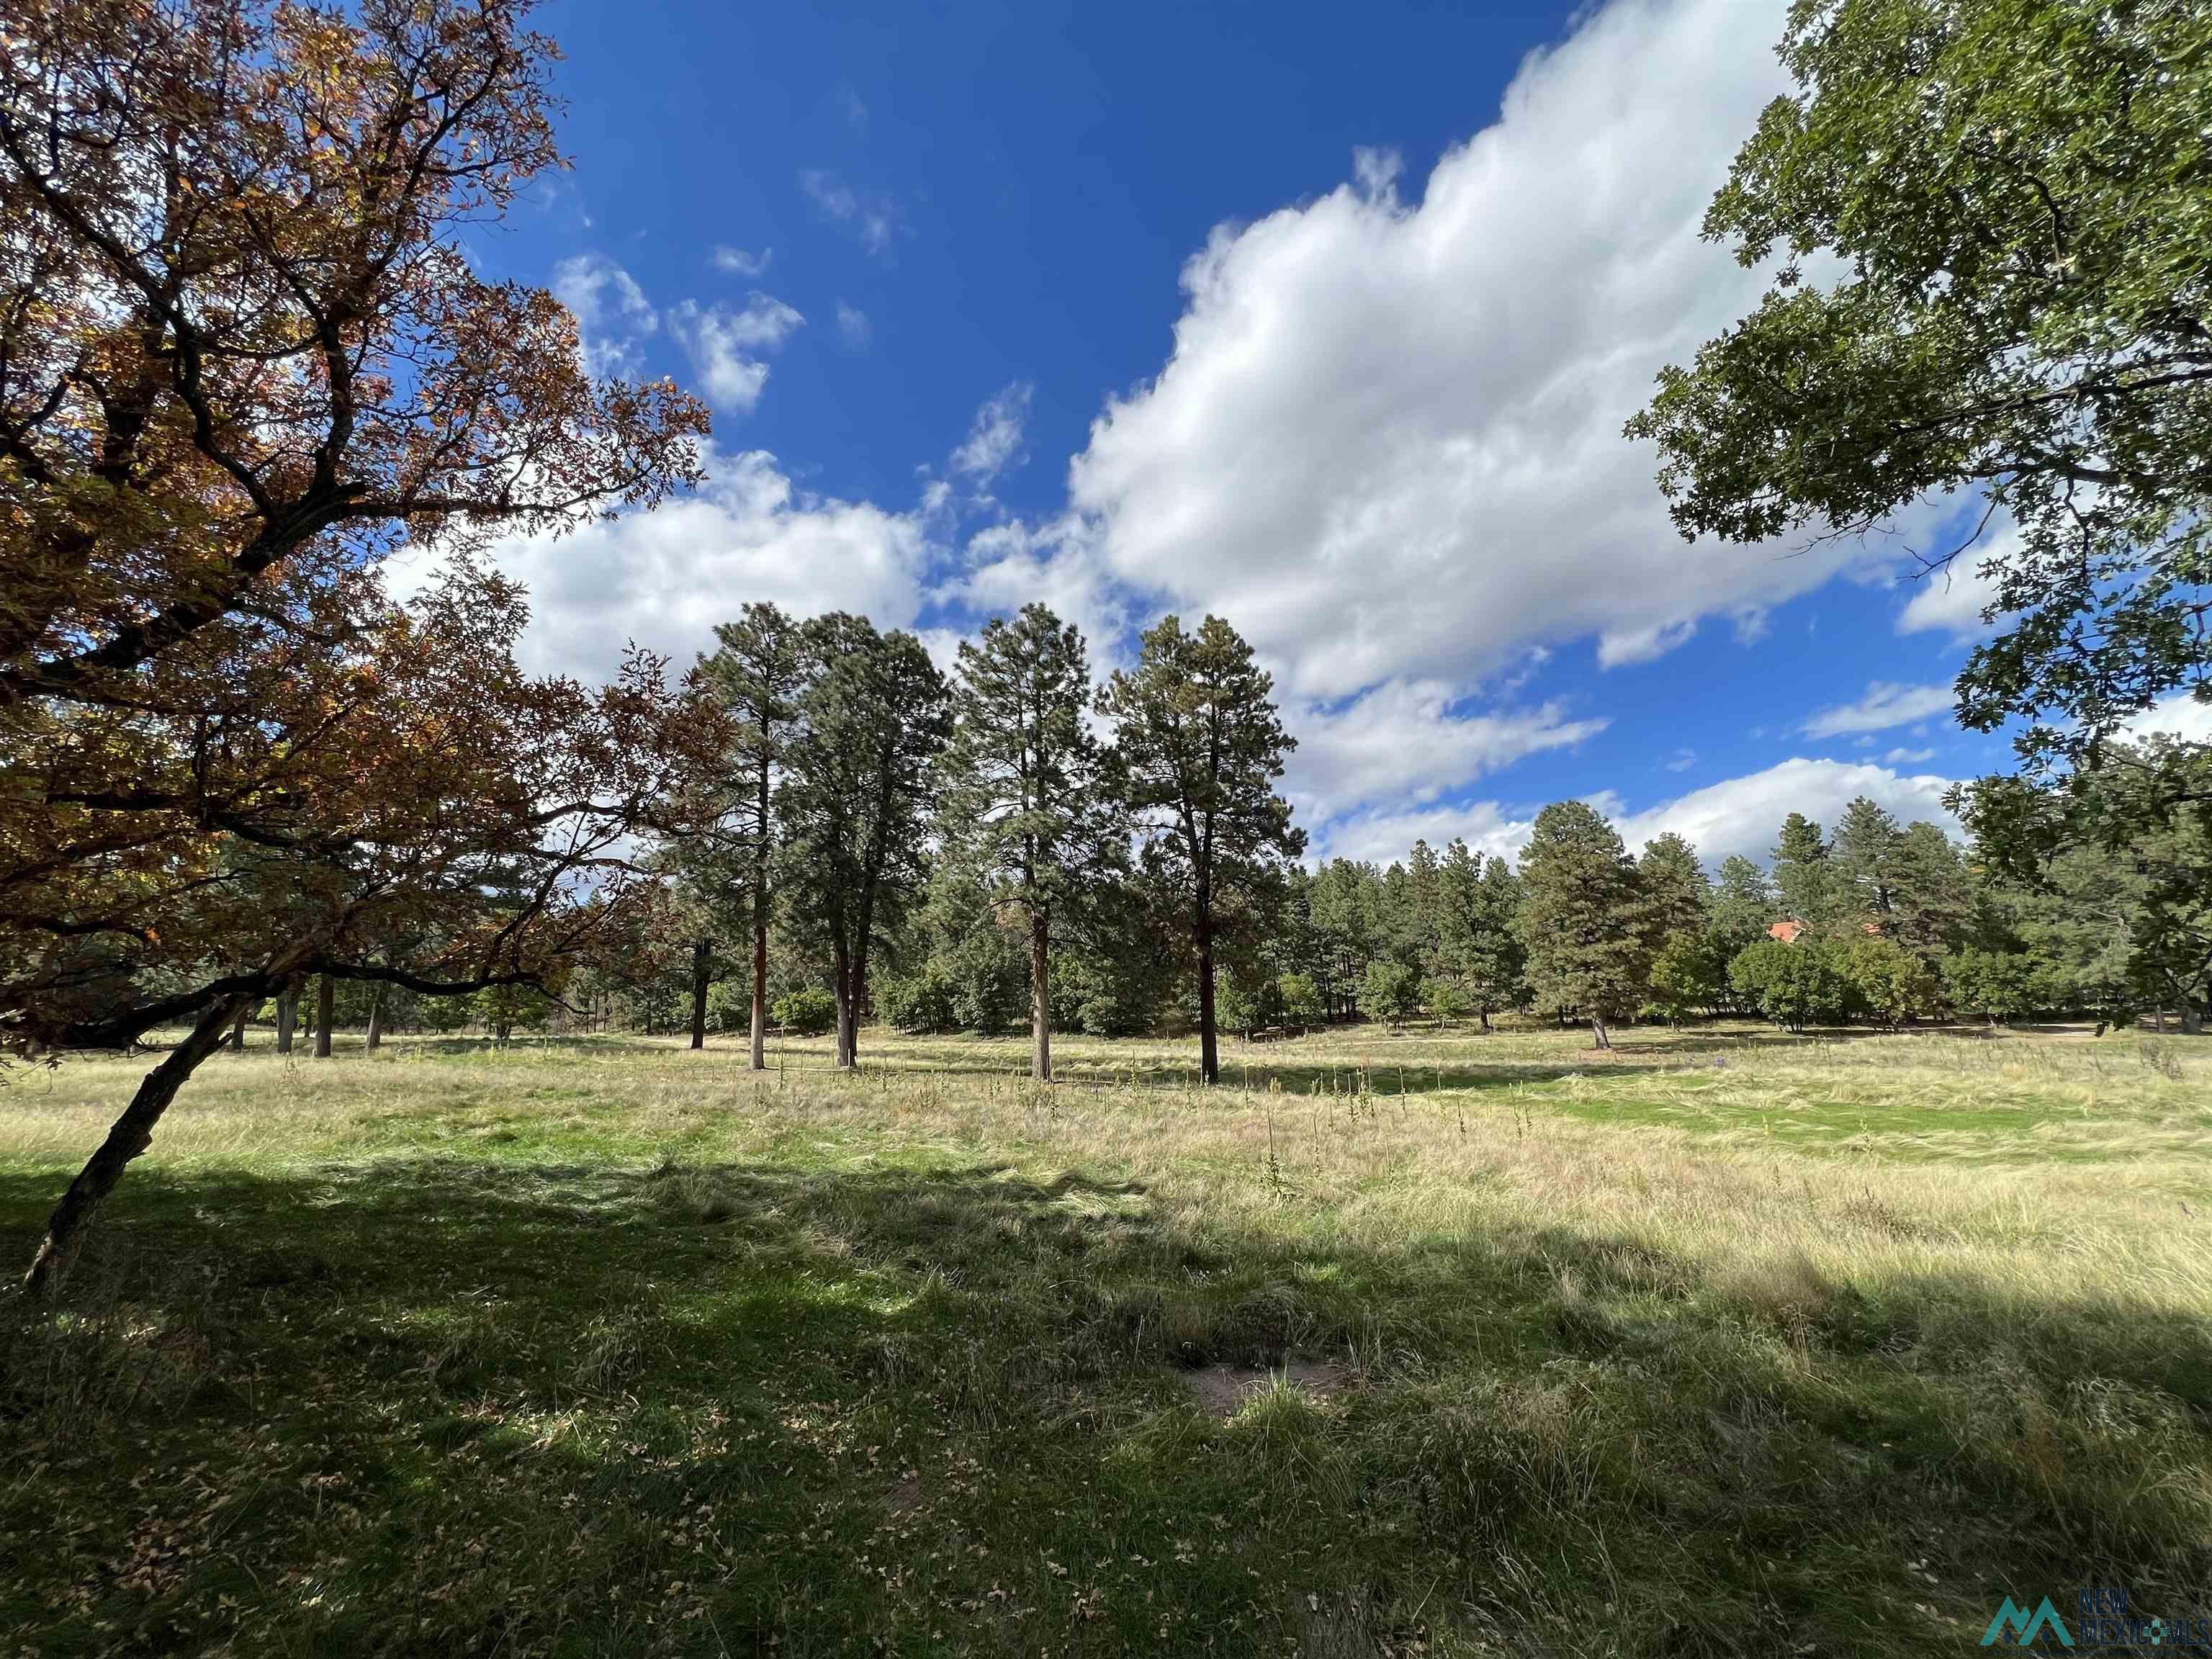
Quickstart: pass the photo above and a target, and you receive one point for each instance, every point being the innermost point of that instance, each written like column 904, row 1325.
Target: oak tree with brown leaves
column 243, row 355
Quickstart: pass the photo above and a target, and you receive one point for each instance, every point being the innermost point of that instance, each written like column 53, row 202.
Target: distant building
column 1786, row 930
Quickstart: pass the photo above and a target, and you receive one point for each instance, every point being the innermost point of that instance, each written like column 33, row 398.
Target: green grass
column 1726, row 1343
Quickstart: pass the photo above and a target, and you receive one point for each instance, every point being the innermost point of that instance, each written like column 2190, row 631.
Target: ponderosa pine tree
column 1933, row 897
column 1479, row 900
column 1802, row 880
column 854, row 800
column 1863, row 863
column 1588, row 950
column 1673, row 891
column 756, row 672
column 1197, row 748
column 1744, row 905
column 1027, row 804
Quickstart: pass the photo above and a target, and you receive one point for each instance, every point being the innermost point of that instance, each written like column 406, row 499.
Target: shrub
column 810, row 1011
column 1890, row 982
column 1793, row 985
column 1688, row 977
column 1999, row 985
column 1390, row 993
column 918, row 1002
column 1301, row 1000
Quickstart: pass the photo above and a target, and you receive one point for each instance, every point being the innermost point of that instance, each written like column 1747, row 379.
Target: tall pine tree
column 855, row 793
column 1027, row 807
column 1581, row 918
column 1198, row 747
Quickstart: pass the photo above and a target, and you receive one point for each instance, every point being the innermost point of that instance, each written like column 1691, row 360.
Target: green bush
column 1390, row 993
column 810, row 1011
column 918, row 1002
column 1689, row 976
column 1301, row 1000
column 1999, row 985
column 1793, row 985
column 1890, row 982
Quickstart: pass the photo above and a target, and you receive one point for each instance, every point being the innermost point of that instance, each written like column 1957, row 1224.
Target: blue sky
column 1325, row 320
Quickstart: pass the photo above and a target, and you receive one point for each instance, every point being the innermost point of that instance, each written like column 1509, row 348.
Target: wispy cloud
column 737, row 261
column 1883, row 706
column 994, row 442
column 724, row 346
column 872, row 218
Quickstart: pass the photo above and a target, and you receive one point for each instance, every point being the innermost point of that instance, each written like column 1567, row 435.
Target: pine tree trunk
column 1040, row 1002
column 132, row 1135
column 703, row 962
column 760, row 914
column 760, row 986
column 287, row 1014
column 326, row 1008
column 848, row 1027
column 848, row 1014
column 1209, row 1047
column 374, row 1037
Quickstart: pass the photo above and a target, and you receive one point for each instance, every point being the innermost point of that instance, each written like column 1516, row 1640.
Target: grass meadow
column 1722, row 1343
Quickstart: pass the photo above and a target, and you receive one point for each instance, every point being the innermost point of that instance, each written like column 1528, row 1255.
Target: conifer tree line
column 1000, row 847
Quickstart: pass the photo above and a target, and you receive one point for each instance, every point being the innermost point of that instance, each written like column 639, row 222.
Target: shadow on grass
column 435, row 1405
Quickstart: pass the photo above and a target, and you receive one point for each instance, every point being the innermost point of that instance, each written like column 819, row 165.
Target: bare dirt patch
column 1221, row 1389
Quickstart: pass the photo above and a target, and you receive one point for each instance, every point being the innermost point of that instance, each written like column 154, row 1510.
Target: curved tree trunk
column 132, row 1135
column 373, row 1038
column 1040, row 1002
column 1597, row 1029
column 237, row 1041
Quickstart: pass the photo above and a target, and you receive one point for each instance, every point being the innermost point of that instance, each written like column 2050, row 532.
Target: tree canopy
column 1987, row 221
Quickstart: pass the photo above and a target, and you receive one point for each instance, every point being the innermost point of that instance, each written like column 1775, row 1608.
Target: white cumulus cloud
column 1388, row 440
column 1409, row 743
column 665, row 579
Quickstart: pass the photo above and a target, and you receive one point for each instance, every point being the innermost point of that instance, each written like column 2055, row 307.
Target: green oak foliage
column 1197, row 749
column 1891, row 983
column 1027, row 803
column 1793, row 985
column 2139, row 831
column 1689, row 976
column 1988, row 224
column 1999, row 985
column 1587, row 951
